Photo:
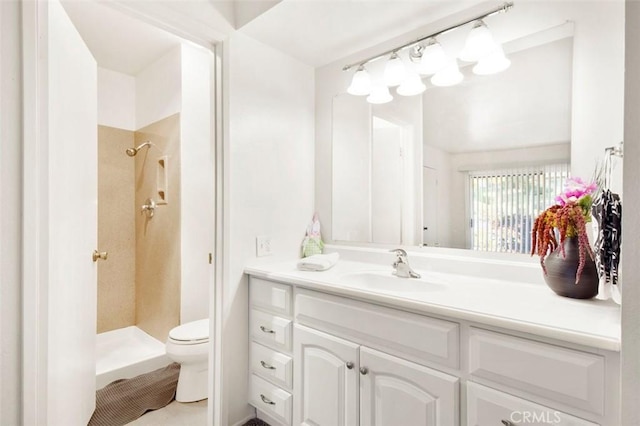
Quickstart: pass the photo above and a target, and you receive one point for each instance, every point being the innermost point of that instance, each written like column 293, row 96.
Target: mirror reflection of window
column 503, row 205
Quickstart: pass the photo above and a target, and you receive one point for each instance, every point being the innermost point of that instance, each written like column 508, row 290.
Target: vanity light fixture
column 360, row 83
column 450, row 75
column 394, row 71
column 412, row 85
column 379, row 95
column 493, row 63
column 433, row 58
column 430, row 59
column 479, row 44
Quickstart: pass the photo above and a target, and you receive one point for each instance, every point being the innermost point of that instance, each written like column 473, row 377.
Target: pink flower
column 574, row 189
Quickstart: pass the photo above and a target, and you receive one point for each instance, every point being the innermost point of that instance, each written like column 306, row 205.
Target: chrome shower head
column 131, row 152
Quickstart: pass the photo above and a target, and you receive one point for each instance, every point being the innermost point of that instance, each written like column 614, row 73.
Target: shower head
column 131, row 152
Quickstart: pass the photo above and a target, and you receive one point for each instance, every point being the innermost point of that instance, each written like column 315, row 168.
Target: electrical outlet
column 263, row 245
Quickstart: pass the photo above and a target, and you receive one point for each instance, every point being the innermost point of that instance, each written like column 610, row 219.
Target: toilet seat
column 191, row 333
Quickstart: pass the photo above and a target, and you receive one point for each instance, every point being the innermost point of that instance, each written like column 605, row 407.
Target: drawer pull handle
column 506, row 423
column 267, row 330
column 267, row 400
column 364, row 371
column 267, row 366
column 350, row 365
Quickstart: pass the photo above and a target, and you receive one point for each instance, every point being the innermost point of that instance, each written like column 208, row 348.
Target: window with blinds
column 505, row 203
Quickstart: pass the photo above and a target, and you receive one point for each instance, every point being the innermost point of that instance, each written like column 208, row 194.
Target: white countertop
column 529, row 308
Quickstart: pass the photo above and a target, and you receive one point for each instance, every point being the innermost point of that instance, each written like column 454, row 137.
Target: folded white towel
column 318, row 262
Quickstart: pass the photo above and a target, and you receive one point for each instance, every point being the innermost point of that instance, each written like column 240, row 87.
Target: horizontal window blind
column 504, row 204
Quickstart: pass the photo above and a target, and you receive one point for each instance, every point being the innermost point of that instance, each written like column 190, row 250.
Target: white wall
column 598, row 86
column 386, row 181
column 630, row 365
column 440, row 161
column 116, row 100
column 351, row 212
column 528, row 104
column 10, row 213
column 158, row 89
column 269, row 171
column 197, row 179
column 406, row 111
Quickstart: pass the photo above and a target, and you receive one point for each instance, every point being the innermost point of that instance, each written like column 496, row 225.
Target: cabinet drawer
column 271, row 330
column 407, row 335
column 270, row 399
column 269, row 296
column 554, row 373
column 272, row 365
column 489, row 407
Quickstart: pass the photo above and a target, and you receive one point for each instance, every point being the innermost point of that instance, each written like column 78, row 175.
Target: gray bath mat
column 256, row 422
column 125, row 400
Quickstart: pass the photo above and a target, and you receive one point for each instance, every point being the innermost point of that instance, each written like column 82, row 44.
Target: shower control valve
column 149, row 207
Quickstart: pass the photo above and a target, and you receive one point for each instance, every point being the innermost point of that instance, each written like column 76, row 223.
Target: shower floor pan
column 125, row 353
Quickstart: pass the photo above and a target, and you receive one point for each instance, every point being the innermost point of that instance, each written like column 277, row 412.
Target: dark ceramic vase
column 561, row 272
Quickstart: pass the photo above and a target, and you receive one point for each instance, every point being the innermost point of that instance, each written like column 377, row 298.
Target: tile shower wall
column 158, row 247
column 116, row 230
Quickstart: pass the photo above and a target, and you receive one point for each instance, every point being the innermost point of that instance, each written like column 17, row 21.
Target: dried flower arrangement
column 566, row 219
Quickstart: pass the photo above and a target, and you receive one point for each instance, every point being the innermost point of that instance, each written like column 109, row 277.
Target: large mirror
column 468, row 166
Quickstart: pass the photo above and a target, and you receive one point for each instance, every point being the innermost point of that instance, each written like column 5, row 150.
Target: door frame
column 35, row 217
column 36, row 223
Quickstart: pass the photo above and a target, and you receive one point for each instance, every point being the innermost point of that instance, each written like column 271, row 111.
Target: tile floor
column 176, row 414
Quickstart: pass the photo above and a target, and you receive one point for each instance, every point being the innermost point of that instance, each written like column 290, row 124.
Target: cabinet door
column 326, row 379
column 396, row 392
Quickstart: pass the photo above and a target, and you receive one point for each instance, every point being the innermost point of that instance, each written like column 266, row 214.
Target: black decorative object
column 561, row 272
column 607, row 209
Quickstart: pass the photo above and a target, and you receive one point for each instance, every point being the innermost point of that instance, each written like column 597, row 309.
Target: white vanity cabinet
column 341, row 383
column 327, row 359
column 487, row 406
column 270, row 350
column 394, row 391
column 326, row 379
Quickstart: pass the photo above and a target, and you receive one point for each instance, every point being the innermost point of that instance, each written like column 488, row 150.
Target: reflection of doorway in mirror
column 430, row 207
column 386, row 181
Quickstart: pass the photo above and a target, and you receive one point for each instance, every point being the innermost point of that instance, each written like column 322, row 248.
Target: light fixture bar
column 504, row 8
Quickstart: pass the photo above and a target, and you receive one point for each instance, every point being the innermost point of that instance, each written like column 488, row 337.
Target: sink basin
column 385, row 281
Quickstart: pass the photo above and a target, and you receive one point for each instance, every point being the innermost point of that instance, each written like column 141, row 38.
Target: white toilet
column 188, row 345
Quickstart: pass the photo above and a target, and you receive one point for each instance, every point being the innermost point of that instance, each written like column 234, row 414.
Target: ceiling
column 316, row 32
column 117, row 41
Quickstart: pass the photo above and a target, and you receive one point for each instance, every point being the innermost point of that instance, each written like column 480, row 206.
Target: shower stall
column 155, row 208
column 139, row 285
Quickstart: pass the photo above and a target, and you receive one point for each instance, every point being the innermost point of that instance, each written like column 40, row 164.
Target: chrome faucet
column 401, row 265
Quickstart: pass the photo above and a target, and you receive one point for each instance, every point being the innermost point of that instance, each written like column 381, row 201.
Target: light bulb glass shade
column 394, row 71
column 412, row 85
column 479, row 43
column 379, row 95
column 360, row 83
column 493, row 63
column 433, row 59
column 450, row 75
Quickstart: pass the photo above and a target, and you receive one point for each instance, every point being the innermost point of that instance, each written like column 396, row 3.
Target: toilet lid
column 191, row 331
